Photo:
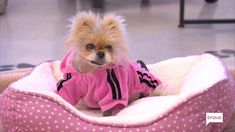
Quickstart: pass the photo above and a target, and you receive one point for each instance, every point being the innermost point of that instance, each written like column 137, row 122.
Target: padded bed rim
column 71, row 109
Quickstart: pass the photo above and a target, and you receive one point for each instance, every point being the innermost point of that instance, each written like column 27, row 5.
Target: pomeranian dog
column 97, row 70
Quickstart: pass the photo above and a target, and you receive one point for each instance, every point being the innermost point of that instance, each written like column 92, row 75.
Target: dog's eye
column 90, row 46
column 109, row 47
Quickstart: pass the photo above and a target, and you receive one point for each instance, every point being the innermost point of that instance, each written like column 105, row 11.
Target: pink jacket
column 105, row 88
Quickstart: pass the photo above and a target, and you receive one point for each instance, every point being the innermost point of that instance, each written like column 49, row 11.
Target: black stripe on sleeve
column 117, row 84
column 142, row 64
column 60, row 83
column 151, row 83
column 147, row 82
column 111, row 84
column 68, row 76
column 149, row 77
column 154, row 81
column 143, row 74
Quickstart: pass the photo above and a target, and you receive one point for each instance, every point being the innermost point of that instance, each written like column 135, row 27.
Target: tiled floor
column 33, row 31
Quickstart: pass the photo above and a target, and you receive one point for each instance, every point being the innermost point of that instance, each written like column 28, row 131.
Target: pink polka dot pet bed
column 191, row 87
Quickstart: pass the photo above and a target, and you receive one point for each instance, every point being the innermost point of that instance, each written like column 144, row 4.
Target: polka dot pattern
column 34, row 113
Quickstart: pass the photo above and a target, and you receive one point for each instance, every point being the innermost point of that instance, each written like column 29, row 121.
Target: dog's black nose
column 100, row 55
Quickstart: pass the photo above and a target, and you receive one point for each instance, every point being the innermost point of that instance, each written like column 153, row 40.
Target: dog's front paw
column 108, row 113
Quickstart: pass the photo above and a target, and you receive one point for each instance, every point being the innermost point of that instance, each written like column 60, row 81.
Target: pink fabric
column 24, row 111
column 106, row 88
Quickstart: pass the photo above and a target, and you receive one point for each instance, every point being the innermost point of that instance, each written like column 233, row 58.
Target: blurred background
column 33, row 31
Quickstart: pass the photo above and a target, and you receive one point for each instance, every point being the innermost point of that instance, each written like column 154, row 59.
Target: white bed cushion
column 172, row 73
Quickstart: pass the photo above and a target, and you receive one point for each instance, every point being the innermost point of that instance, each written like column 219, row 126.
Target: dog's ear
column 82, row 24
column 84, row 21
column 113, row 24
column 113, row 28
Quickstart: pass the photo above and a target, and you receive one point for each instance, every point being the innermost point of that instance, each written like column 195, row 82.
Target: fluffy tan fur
column 89, row 28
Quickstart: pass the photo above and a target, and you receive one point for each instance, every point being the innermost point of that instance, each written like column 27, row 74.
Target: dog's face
column 99, row 41
column 98, row 53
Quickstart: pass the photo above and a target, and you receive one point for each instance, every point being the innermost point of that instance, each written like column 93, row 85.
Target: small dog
column 97, row 70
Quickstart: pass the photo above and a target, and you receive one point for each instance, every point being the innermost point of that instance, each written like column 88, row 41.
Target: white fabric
column 203, row 75
column 174, row 74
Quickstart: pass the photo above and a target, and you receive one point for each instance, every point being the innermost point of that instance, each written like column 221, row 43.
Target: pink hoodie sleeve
column 67, row 87
column 108, row 103
column 68, row 90
column 144, row 81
